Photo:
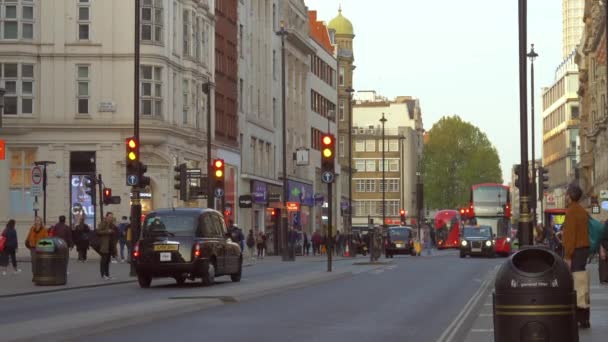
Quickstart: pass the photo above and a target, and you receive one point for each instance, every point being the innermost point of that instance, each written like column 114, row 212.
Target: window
column 152, row 21
column 341, row 77
column 360, row 165
column 185, row 85
column 197, row 39
column 17, row 19
column 393, row 165
column 241, row 38
column 370, row 165
column 370, row 145
column 341, row 146
column 360, row 185
column 241, row 94
column 82, row 81
column 382, row 185
column 151, row 90
column 393, row 185
column 274, row 64
column 19, row 87
column 274, row 17
column 175, row 41
column 186, row 33
column 84, row 20
column 370, row 185
column 20, row 182
column 341, row 110
column 360, row 146
column 393, row 145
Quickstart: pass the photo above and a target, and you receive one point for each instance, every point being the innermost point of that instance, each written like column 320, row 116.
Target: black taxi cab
column 185, row 243
column 399, row 240
column 477, row 240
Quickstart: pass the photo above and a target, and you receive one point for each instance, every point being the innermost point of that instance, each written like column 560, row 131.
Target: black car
column 399, row 240
column 186, row 243
column 477, row 240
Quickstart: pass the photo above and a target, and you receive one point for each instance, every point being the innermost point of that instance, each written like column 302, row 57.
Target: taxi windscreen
column 477, row 232
column 171, row 224
column 399, row 233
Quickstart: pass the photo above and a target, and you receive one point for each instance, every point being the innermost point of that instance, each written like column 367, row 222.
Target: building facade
column 572, row 25
column 593, row 135
column 342, row 37
column 403, row 141
column 69, row 81
column 560, row 124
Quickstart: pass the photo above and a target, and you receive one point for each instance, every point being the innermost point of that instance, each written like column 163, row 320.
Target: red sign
column 293, row 206
column 2, row 153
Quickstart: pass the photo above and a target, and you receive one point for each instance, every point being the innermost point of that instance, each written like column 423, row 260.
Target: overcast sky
column 457, row 57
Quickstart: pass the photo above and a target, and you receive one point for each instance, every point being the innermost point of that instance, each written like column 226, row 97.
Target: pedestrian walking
column 250, row 243
column 81, row 238
column 603, row 260
column 261, row 244
column 105, row 232
column 576, row 251
column 338, row 243
column 129, row 239
column 306, row 250
column 63, row 231
column 9, row 234
column 35, row 234
column 316, row 243
column 122, row 237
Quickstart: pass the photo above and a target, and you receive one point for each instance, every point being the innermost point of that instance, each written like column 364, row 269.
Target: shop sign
column 245, row 201
column 293, row 206
column 260, row 191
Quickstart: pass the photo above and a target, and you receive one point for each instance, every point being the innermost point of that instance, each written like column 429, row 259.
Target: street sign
column 274, row 197
column 36, row 181
column 595, row 209
column 293, row 206
column 245, row 201
column 132, row 180
column 327, row 177
column 219, row 193
column 603, row 194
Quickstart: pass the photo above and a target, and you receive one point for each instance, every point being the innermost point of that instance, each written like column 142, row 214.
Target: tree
column 456, row 156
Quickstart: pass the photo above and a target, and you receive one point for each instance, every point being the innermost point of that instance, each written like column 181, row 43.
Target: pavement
column 481, row 325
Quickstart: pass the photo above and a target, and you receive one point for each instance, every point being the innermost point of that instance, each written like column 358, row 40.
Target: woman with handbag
column 36, row 233
column 9, row 235
column 576, row 251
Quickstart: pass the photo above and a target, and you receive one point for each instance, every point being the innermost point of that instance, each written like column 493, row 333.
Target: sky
column 457, row 57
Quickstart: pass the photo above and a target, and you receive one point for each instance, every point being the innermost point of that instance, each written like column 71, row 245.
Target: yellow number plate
column 161, row 248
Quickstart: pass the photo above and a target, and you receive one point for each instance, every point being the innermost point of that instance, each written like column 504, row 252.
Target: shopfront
column 301, row 193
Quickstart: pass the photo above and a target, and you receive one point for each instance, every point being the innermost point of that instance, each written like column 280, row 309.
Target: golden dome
column 341, row 25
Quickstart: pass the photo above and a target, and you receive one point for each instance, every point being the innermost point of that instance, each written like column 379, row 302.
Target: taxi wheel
column 237, row 276
column 144, row 281
column 209, row 274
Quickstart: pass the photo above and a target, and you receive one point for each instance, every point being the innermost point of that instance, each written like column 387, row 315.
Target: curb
column 29, row 293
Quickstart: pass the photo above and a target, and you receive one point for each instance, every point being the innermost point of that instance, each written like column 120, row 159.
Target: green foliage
column 456, row 156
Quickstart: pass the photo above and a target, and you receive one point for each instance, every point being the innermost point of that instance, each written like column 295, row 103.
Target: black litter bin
column 534, row 299
column 51, row 262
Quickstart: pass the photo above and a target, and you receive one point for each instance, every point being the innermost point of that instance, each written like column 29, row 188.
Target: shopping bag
column 581, row 286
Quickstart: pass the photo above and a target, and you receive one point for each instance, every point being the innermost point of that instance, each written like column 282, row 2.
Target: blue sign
column 132, row 180
column 260, row 191
column 327, row 177
column 219, row 193
column 300, row 192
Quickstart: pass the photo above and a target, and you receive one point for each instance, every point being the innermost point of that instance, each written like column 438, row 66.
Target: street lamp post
column 44, row 164
column 532, row 56
column 383, row 120
column 350, row 168
column 525, row 221
column 285, row 255
column 402, row 171
column 207, row 90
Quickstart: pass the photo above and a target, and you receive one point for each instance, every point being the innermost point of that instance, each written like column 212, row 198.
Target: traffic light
column 327, row 153
column 181, row 181
column 89, row 187
column 402, row 213
column 132, row 158
column 218, row 173
column 543, row 180
column 143, row 179
column 517, row 180
column 107, row 196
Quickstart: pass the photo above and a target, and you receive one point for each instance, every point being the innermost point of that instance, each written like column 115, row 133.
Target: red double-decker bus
column 447, row 229
column 491, row 206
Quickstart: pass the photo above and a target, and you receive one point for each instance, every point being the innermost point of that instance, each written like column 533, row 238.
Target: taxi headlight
column 464, row 242
column 508, row 239
column 488, row 243
column 493, row 242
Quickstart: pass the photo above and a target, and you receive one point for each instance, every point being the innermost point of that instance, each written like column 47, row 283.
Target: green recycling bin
column 51, row 262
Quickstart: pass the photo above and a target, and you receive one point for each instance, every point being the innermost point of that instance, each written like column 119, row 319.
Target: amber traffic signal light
column 328, row 150
column 218, row 173
column 132, row 159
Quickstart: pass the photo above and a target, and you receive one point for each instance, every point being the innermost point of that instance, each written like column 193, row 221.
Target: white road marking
column 482, row 330
column 486, row 315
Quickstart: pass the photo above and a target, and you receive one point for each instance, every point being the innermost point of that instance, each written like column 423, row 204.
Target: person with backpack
column 250, row 243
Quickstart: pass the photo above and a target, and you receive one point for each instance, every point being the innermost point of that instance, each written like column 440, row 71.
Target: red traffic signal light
column 218, row 168
column 402, row 212
column 132, row 145
column 107, row 196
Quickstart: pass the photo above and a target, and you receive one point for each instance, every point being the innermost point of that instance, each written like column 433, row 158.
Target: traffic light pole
column 100, row 186
column 135, row 202
column 330, row 237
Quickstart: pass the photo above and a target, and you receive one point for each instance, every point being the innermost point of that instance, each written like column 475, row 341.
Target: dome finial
column 340, row 8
